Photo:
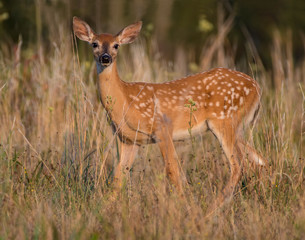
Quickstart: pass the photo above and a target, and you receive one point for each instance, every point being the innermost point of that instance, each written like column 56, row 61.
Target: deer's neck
column 111, row 90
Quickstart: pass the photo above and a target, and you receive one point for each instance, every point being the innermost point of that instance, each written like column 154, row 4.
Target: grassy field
column 57, row 154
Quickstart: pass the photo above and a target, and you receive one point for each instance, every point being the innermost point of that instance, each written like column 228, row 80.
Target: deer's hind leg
column 226, row 133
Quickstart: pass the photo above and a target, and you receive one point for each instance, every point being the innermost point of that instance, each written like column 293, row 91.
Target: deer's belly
column 138, row 134
column 180, row 134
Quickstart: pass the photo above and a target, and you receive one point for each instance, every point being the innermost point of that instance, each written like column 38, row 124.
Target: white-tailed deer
column 143, row 113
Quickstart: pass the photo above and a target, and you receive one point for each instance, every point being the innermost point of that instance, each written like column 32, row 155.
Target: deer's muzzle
column 105, row 59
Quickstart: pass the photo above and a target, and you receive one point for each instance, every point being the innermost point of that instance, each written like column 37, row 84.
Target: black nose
column 105, row 58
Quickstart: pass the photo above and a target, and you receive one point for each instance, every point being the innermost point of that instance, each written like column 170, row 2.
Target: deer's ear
column 129, row 33
column 82, row 30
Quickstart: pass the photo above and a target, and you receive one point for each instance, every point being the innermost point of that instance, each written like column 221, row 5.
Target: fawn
column 143, row 113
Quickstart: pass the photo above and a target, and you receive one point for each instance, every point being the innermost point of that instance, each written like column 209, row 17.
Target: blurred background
column 178, row 29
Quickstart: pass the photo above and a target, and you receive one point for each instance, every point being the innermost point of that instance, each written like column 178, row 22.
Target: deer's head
column 105, row 46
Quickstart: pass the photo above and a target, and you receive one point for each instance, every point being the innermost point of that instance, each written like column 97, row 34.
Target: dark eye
column 94, row 45
column 116, row 46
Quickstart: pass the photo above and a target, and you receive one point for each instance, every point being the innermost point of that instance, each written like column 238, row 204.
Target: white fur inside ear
column 127, row 40
column 85, row 37
column 90, row 34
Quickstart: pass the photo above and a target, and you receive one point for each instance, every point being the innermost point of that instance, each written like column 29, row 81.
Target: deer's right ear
column 82, row 30
column 129, row 33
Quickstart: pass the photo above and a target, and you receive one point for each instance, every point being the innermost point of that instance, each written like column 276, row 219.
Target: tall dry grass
column 57, row 154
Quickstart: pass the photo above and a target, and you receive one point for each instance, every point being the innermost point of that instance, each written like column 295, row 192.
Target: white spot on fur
column 234, row 108
column 150, row 88
column 247, row 90
column 222, row 115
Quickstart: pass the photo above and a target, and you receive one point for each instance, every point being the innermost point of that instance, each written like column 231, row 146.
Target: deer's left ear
column 129, row 33
column 82, row 30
